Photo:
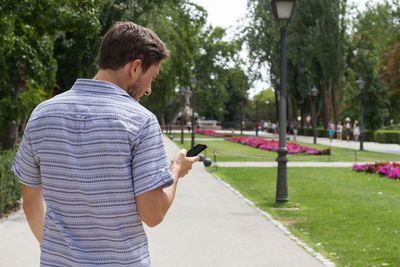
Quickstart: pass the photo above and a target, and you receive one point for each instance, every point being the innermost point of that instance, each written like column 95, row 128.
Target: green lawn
column 177, row 136
column 229, row 151
column 352, row 218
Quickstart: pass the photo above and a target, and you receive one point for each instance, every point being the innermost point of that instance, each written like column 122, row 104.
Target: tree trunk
column 325, row 104
column 335, row 103
column 162, row 121
column 303, row 116
column 294, row 109
column 9, row 138
column 10, row 133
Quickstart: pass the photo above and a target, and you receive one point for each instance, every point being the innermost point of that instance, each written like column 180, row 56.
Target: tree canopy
column 46, row 45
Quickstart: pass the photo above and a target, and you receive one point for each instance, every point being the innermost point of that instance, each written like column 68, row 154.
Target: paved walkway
column 208, row 225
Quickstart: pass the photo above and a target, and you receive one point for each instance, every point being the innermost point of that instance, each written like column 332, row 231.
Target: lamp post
column 283, row 10
column 181, row 92
column 314, row 92
column 267, row 102
column 360, row 85
column 193, row 84
column 257, row 124
column 220, row 116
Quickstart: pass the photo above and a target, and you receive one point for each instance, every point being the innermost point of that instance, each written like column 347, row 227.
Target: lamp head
column 360, row 84
column 314, row 91
column 193, row 83
column 283, row 9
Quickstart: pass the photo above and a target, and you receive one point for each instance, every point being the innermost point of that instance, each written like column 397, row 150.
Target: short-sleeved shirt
column 93, row 150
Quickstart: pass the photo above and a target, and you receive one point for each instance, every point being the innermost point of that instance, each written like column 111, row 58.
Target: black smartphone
column 196, row 150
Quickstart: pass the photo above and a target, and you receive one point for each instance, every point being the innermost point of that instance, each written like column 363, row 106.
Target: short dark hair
column 127, row 41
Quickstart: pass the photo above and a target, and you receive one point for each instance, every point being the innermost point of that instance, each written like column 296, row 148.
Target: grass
column 229, row 151
column 352, row 218
column 177, row 136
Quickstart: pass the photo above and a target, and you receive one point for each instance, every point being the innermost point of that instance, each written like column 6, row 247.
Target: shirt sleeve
column 150, row 166
column 25, row 165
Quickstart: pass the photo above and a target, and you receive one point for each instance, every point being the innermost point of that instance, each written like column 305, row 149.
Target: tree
column 214, row 75
column 27, row 66
column 391, row 74
column 375, row 33
column 178, row 26
column 237, row 86
column 316, row 39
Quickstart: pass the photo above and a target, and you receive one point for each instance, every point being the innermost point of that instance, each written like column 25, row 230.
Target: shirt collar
column 99, row 87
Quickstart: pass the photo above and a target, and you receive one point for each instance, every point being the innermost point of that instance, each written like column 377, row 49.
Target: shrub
column 10, row 187
column 387, row 136
column 212, row 133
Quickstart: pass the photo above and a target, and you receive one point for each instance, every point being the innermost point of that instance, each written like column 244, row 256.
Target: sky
column 227, row 13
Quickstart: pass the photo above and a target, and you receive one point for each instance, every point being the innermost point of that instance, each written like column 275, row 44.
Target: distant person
column 356, row 130
column 266, row 125
column 348, row 129
column 242, row 126
column 339, row 131
column 294, row 129
column 331, row 128
column 189, row 125
column 256, row 127
column 274, row 127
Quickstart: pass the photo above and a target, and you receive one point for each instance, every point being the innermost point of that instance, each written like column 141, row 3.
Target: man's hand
column 152, row 206
column 181, row 165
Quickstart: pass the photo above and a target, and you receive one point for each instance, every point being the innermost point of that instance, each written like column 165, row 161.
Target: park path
column 208, row 225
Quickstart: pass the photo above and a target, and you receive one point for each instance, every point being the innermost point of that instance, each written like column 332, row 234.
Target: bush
column 387, row 136
column 10, row 187
column 310, row 132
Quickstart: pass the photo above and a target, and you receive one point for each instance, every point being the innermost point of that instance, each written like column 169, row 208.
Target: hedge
column 369, row 136
column 387, row 136
column 10, row 187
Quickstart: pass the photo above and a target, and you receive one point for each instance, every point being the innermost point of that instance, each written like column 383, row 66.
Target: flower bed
column 212, row 133
column 273, row 145
column 390, row 170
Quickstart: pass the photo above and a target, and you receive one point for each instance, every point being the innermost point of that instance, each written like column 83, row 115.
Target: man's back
column 94, row 149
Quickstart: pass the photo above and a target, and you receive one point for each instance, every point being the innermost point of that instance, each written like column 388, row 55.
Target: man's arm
column 34, row 209
column 153, row 205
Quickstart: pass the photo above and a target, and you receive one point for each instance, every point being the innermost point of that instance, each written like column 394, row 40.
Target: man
column 97, row 158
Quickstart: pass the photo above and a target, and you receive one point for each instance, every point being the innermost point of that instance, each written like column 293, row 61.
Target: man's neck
column 111, row 77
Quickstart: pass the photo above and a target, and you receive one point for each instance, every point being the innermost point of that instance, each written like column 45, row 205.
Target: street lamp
column 360, row 85
column 267, row 102
column 256, row 124
column 314, row 92
column 181, row 92
column 283, row 10
column 193, row 84
column 220, row 116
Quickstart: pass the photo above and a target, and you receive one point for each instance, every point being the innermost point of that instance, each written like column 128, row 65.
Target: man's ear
column 134, row 67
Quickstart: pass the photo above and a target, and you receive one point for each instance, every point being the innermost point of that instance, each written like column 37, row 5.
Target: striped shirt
column 93, row 149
